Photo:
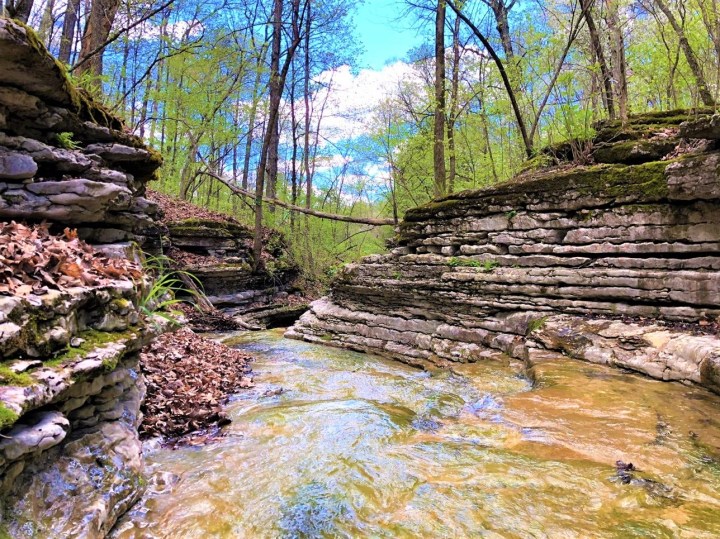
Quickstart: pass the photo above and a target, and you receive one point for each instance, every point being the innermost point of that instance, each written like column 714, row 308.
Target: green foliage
column 536, row 324
column 65, row 140
column 167, row 283
column 7, row 417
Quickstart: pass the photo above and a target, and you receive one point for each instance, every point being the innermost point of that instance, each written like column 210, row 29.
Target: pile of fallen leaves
column 189, row 378
column 205, row 322
column 32, row 261
column 176, row 209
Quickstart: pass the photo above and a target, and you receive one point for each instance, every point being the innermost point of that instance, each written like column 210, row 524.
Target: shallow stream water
column 358, row 446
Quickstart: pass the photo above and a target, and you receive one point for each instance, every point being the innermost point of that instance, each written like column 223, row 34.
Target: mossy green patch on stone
column 93, row 339
column 7, row 417
column 10, row 378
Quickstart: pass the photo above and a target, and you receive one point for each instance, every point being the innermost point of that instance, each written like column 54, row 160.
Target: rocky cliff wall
column 72, row 321
column 518, row 267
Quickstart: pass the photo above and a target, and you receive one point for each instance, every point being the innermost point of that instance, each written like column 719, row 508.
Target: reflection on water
column 357, row 446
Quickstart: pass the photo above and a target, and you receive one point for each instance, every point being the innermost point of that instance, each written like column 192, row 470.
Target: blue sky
column 383, row 32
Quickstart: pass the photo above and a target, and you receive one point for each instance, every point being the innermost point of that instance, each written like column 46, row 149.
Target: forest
column 246, row 102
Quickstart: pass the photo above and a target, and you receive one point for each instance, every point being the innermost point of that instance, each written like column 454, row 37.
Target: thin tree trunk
column 453, row 112
column 599, row 54
column 306, row 143
column 277, row 82
column 690, row 56
column 439, row 141
column 252, row 117
column 617, row 50
column 68, row 32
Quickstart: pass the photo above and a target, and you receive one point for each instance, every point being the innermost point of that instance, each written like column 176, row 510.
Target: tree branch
column 117, row 34
column 237, row 191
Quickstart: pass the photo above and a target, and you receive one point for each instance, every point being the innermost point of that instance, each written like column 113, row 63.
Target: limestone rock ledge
column 70, row 395
column 218, row 252
column 63, row 157
column 478, row 272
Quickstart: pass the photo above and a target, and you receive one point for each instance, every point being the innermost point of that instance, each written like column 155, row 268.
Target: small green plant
column 489, row 265
column 397, row 275
column 7, row 417
column 536, row 324
column 160, row 297
column 65, row 140
column 511, row 214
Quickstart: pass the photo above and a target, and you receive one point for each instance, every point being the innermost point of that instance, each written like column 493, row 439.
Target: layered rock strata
column 63, row 157
column 70, row 385
column 70, row 395
column 221, row 259
column 480, row 271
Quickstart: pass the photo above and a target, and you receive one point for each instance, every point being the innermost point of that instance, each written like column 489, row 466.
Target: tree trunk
column 19, row 10
column 439, row 142
column 453, row 112
column 277, row 82
column 99, row 24
column 599, row 56
column 690, row 56
column 306, row 144
column 68, row 31
column 617, row 51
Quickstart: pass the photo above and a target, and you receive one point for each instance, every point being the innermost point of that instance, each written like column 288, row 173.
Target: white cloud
column 351, row 99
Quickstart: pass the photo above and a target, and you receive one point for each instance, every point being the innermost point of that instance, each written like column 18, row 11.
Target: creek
column 358, row 446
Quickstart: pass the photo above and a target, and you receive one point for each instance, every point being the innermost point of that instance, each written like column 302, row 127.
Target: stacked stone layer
column 231, row 283
column 63, row 157
column 70, row 385
column 474, row 273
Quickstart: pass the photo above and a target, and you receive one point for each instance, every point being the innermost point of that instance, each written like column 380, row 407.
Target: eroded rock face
column 70, row 456
column 475, row 273
column 63, row 157
column 70, row 384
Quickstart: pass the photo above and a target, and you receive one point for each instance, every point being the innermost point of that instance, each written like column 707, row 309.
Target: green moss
column 535, row 163
column 93, row 339
column 7, row 417
column 10, row 378
column 487, row 265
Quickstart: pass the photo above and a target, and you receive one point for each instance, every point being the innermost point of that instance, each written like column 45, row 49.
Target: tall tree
column 277, row 83
column 617, row 56
column 99, row 23
column 439, row 140
column 598, row 55
column 690, row 56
